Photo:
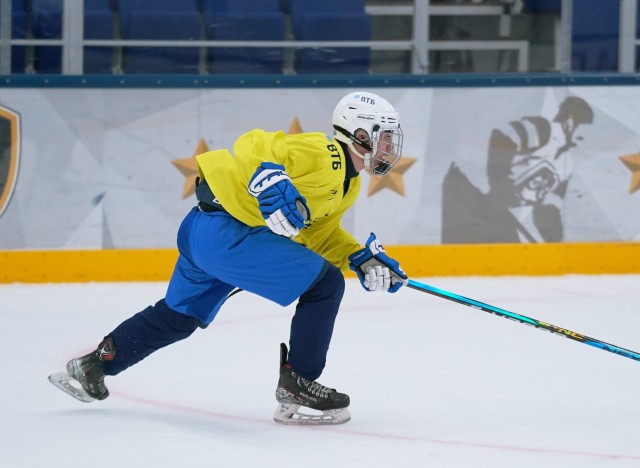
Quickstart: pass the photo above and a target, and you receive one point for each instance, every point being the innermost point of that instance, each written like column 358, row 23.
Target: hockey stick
column 523, row 319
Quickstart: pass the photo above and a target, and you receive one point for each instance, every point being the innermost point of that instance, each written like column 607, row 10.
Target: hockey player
column 279, row 197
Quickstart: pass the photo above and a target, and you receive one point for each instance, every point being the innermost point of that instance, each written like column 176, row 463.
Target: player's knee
column 175, row 321
column 329, row 286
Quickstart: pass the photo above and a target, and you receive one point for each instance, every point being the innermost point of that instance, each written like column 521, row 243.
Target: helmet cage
column 537, row 179
column 386, row 149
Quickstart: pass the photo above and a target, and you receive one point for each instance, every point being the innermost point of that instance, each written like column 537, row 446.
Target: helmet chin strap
column 366, row 157
column 367, row 161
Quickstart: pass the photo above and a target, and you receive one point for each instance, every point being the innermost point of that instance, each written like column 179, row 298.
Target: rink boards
column 425, row 260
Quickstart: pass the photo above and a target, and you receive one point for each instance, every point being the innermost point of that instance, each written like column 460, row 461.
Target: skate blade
column 62, row 380
column 289, row 413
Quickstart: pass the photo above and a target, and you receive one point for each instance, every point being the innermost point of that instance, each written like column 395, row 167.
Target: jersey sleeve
column 328, row 238
column 331, row 241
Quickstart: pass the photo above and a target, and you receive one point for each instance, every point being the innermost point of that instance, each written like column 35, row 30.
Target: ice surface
column 432, row 383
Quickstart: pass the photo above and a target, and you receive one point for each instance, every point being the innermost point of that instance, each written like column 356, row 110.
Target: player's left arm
column 327, row 238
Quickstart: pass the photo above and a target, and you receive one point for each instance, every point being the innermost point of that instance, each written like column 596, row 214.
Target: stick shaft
column 524, row 319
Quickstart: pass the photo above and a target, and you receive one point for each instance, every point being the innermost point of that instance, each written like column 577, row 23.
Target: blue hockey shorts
column 219, row 253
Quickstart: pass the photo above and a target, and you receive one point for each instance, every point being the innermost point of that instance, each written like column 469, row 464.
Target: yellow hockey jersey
column 316, row 165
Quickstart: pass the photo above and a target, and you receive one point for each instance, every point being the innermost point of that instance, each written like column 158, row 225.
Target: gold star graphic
column 393, row 180
column 295, row 127
column 189, row 169
column 632, row 161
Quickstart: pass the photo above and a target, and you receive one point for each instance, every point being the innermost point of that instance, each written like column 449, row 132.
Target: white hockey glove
column 282, row 207
column 375, row 269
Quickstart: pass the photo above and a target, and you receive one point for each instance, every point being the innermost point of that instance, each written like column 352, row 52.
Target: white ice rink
column 432, row 383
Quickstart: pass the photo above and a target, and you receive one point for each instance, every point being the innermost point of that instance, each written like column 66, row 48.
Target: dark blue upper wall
column 315, row 81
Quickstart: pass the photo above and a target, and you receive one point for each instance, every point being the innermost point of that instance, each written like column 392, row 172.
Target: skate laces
column 101, row 386
column 316, row 388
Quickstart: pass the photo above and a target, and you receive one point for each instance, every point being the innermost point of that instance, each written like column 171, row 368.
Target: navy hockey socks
column 154, row 328
column 312, row 324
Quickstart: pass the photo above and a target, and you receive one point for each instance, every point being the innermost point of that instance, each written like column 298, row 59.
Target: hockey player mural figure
column 268, row 222
column 528, row 170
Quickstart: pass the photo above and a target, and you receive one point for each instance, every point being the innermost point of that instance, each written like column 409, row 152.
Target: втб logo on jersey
column 9, row 154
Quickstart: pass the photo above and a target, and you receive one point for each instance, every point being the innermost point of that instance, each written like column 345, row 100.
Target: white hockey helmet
column 369, row 121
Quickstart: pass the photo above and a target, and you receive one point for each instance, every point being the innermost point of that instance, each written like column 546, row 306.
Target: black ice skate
column 321, row 405
column 87, row 371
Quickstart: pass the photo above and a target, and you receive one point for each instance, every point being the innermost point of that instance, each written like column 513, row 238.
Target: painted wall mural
column 528, row 168
column 114, row 168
